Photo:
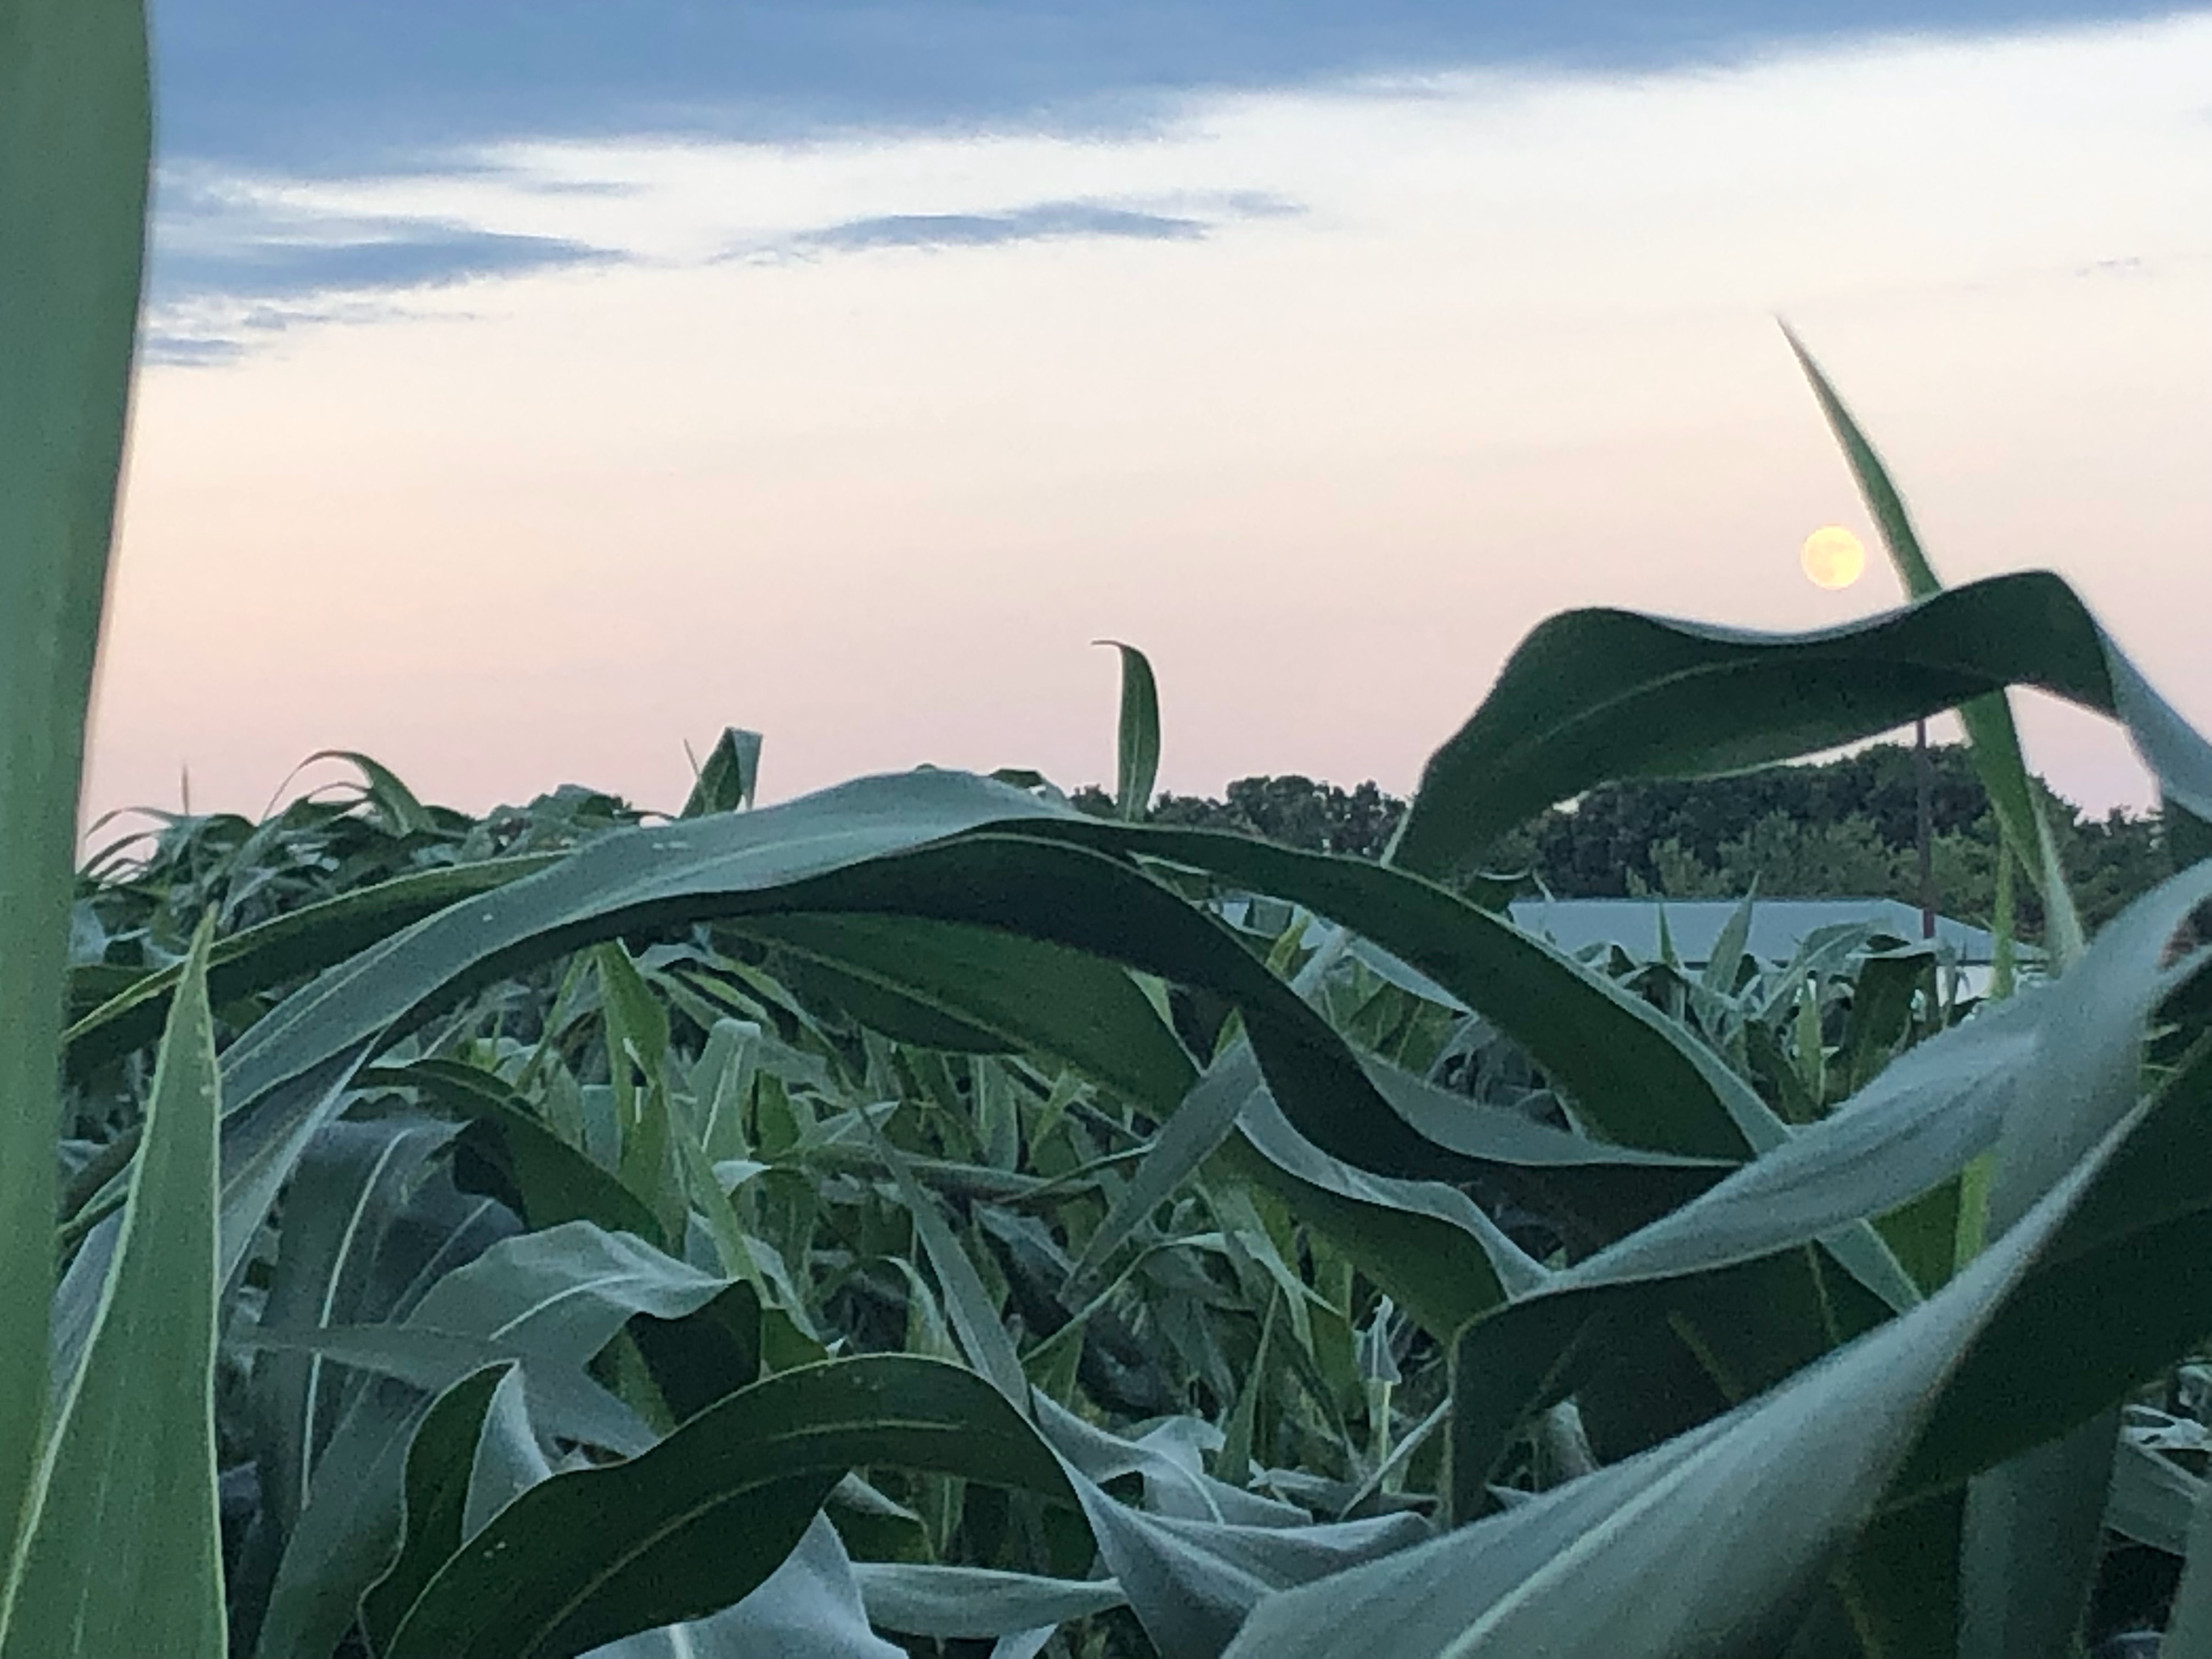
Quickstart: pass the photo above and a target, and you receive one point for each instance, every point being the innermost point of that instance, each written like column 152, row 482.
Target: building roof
column 1777, row 925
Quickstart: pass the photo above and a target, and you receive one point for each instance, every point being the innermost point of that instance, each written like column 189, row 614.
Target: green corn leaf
column 2031, row 1076
column 2130, row 1256
column 732, row 772
column 1718, row 978
column 1021, row 993
column 636, row 1027
column 692, row 1525
column 1194, row 1130
column 1424, row 1243
column 539, row 1175
column 1994, row 739
column 1138, row 749
column 121, row 1533
column 1049, row 891
column 439, row 1460
column 627, row 880
column 1233, row 1463
column 1643, row 1079
column 550, row 1299
column 296, row 946
column 723, row 1084
column 1713, row 1543
column 75, row 141
column 1592, row 696
column 978, row 1603
column 390, row 801
column 352, row 1189
column 975, row 1316
column 260, row 1149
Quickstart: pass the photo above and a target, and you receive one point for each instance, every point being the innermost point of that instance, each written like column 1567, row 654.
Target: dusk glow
column 535, row 455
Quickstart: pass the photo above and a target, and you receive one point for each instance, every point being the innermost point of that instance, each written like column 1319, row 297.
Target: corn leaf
column 75, row 141
column 122, row 1536
column 1987, row 719
column 1598, row 695
column 1138, row 752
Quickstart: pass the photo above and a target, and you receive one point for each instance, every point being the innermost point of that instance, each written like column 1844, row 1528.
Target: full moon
column 1833, row 557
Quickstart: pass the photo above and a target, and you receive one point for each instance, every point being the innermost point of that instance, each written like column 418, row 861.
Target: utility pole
column 1924, row 781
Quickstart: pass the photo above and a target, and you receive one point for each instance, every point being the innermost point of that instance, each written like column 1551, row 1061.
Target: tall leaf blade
column 1993, row 739
column 1139, row 750
column 75, row 140
column 122, row 1531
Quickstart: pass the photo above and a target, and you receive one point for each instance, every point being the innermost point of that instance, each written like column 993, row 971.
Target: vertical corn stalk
column 75, row 141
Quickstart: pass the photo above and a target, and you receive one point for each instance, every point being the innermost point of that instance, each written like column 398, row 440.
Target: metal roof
column 1777, row 925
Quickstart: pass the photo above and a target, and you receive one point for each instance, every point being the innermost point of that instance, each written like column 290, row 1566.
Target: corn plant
column 920, row 1214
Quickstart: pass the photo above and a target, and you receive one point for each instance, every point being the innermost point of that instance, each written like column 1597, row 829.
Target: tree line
column 1834, row 829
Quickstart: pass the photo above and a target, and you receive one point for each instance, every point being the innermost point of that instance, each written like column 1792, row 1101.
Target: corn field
column 921, row 1217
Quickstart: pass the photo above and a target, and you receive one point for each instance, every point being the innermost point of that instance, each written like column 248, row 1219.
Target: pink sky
column 1513, row 352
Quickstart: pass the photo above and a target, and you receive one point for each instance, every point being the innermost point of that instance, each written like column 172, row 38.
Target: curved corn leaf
column 1592, row 696
column 539, row 1175
column 1642, row 1079
column 979, row 1603
column 1024, row 992
column 351, row 1186
column 2029, row 1077
column 1713, row 1543
column 440, row 1461
column 261, row 1146
column 295, row 945
column 694, row 1524
column 627, row 880
column 825, row 854
column 550, row 1300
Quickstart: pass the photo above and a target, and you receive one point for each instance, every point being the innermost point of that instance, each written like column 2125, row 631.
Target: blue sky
column 333, row 90
column 529, row 391
column 329, row 86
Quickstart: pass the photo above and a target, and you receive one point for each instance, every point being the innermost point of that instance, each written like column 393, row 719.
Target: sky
column 530, row 391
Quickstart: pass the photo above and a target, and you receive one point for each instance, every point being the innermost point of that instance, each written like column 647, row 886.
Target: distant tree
column 1296, row 812
column 1841, row 828
column 1291, row 810
column 1782, row 857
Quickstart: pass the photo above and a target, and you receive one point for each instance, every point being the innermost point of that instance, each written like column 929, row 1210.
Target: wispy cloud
column 1040, row 222
column 396, row 257
column 213, row 328
column 242, row 257
column 1046, row 222
column 237, row 260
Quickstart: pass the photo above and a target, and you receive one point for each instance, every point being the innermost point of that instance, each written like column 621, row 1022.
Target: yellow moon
column 1833, row 557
